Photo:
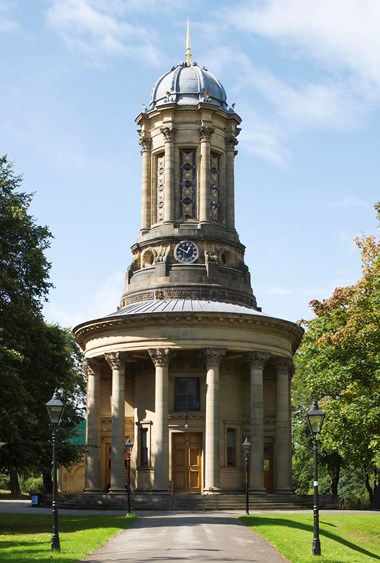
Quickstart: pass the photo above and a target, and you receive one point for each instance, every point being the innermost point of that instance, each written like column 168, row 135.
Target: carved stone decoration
column 91, row 366
column 115, row 360
column 211, row 256
column 160, row 187
column 205, row 134
column 285, row 364
column 169, row 134
column 145, row 142
column 214, row 187
column 231, row 143
column 188, row 179
column 161, row 254
column 213, row 356
column 257, row 359
column 160, row 356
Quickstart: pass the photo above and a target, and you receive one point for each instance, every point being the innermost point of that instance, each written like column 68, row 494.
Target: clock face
column 186, row 251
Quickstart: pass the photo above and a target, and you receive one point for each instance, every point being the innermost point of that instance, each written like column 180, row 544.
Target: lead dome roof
column 188, row 85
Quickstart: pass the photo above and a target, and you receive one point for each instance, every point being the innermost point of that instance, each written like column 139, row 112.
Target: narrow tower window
column 214, row 187
column 188, row 180
column 160, row 187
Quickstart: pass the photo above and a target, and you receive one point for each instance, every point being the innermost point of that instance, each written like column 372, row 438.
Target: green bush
column 4, row 482
column 32, row 485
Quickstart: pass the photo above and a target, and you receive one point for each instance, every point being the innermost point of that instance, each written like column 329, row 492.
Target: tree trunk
column 368, row 485
column 335, row 474
column 47, row 481
column 375, row 505
column 14, row 483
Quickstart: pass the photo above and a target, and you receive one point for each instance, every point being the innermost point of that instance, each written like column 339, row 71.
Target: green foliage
column 32, row 485
column 4, row 482
column 339, row 363
column 35, row 357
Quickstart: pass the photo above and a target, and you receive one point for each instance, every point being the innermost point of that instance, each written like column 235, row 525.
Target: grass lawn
column 25, row 537
column 345, row 538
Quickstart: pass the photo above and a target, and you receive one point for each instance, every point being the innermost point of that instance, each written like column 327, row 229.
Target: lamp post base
column 316, row 548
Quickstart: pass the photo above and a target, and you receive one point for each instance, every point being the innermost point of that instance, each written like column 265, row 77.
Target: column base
column 212, row 491
column 118, row 492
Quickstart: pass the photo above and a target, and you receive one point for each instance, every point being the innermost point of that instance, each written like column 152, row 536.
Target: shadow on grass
column 257, row 521
column 14, row 524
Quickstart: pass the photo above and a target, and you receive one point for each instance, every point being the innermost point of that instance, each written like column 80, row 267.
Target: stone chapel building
column 188, row 365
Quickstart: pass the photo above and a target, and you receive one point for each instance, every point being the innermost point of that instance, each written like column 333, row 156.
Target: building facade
column 188, row 365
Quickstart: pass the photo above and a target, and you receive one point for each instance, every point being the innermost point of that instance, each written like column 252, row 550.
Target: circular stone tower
column 188, row 365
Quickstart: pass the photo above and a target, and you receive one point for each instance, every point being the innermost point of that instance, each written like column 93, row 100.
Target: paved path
column 175, row 537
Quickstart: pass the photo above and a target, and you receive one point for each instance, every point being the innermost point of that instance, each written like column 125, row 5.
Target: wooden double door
column 187, row 462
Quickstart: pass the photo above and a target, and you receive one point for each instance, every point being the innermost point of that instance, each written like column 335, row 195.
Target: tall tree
column 339, row 362
column 35, row 357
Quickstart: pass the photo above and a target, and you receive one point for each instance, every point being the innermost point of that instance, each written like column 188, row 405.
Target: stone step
column 192, row 502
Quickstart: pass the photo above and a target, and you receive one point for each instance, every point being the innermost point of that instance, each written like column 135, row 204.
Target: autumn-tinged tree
column 35, row 357
column 339, row 363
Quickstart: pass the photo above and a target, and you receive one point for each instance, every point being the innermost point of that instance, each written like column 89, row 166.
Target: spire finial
column 188, row 45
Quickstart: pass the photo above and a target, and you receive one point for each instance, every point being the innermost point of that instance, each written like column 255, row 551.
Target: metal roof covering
column 184, row 306
column 186, row 85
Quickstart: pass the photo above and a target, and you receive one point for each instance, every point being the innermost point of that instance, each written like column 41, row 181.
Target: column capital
column 285, row 364
column 160, row 356
column 231, row 142
column 257, row 359
column 115, row 360
column 205, row 133
column 213, row 356
column 91, row 366
column 168, row 133
column 145, row 142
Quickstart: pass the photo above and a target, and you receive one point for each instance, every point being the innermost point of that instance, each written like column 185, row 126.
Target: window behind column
column 144, row 450
column 187, row 394
column 231, row 447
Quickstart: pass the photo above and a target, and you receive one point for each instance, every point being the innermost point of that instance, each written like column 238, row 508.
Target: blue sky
column 305, row 78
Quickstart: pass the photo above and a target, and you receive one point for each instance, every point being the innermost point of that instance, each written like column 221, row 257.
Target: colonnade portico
column 212, row 358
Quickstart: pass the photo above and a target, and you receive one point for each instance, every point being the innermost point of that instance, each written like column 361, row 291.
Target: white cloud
column 340, row 34
column 100, row 29
column 8, row 23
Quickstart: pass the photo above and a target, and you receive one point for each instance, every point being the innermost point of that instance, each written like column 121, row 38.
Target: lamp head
column 55, row 409
column 315, row 418
column 246, row 448
column 128, row 446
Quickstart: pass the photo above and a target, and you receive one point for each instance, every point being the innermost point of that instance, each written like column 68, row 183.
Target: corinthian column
column 117, row 364
column 231, row 142
column 257, row 362
column 204, row 191
column 169, row 136
column 93, row 465
column 160, row 450
column 283, row 451
column 213, row 357
column 146, row 204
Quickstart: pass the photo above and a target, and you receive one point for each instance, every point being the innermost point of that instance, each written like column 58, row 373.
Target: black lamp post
column 55, row 410
column 314, row 419
column 128, row 450
column 247, row 452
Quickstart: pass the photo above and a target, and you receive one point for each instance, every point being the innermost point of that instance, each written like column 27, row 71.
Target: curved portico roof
column 171, row 313
column 184, row 306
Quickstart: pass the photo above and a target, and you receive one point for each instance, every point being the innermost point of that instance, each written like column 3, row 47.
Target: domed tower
column 188, row 246
column 188, row 365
